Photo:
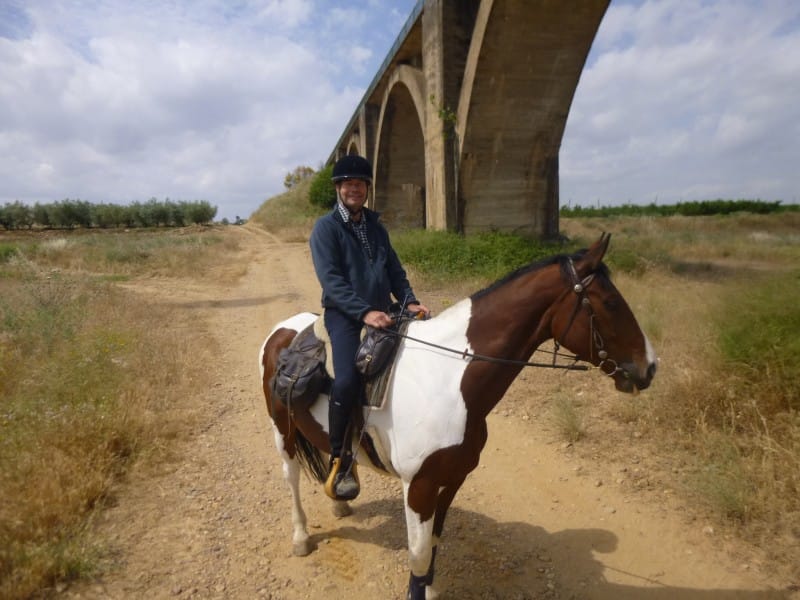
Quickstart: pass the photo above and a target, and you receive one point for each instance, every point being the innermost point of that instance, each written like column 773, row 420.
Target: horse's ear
column 597, row 250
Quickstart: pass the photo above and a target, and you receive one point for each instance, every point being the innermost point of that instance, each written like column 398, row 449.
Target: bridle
column 597, row 344
column 578, row 286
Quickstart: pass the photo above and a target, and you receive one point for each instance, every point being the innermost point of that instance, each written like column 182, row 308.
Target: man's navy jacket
column 351, row 282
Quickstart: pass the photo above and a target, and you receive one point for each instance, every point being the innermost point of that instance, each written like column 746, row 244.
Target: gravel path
column 538, row 519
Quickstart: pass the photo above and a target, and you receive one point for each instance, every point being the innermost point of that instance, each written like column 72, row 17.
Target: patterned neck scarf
column 359, row 228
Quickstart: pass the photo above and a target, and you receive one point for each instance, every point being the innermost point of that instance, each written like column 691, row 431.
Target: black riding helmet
column 352, row 166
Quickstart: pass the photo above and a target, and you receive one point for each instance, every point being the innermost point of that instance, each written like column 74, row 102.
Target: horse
column 449, row 373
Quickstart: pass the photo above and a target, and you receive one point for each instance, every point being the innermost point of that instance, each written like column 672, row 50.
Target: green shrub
column 450, row 256
column 289, row 215
column 723, row 480
column 322, row 192
column 567, row 417
column 7, row 251
column 628, row 261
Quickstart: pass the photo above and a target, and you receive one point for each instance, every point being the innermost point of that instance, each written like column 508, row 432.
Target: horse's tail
column 310, row 458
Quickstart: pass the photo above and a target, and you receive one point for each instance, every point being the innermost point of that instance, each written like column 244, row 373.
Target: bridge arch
column 508, row 69
column 508, row 172
column 354, row 145
column 399, row 192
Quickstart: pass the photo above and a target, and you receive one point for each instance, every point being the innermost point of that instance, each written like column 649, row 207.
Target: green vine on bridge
column 448, row 117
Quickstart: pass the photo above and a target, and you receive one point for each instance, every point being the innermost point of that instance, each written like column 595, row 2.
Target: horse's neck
column 508, row 322
column 513, row 320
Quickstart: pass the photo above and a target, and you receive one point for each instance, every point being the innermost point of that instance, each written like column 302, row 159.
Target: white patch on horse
column 651, row 353
column 420, row 538
column 298, row 322
column 416, row 423
column 651, row 357
column 319, row 410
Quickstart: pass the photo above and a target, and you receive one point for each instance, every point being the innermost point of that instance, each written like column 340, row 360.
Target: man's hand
column 378, row 319
column 417, row 308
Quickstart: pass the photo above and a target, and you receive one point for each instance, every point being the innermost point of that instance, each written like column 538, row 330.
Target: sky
column 217, row 100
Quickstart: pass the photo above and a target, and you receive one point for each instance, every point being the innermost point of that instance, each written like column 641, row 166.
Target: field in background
column 716, row 296
column 90, row 377
column 91, row 380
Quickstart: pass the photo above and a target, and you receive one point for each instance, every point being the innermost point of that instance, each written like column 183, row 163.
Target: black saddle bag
column 300, row 375
column 375, row 351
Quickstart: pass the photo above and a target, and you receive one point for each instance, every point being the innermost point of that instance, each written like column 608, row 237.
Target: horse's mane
column 561, row 259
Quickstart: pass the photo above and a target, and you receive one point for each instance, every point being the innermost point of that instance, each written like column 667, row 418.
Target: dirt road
column 539, row 518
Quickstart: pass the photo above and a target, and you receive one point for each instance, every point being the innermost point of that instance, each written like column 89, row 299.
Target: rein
column 492, row 359
column 578, row 287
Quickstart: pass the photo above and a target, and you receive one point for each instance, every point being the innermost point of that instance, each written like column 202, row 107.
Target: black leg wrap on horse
column 416, row 587
column 429, row 576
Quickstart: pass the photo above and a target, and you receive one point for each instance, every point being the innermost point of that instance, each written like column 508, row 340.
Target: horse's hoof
column 302, row 548
column 341, row 509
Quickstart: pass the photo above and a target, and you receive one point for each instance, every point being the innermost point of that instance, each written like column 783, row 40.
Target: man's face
column 353, row 193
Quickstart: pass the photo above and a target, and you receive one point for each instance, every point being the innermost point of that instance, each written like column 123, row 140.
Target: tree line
column 688, row 209
column 70, row 214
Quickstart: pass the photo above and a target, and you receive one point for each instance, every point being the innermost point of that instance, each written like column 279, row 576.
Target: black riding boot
column 342, row 482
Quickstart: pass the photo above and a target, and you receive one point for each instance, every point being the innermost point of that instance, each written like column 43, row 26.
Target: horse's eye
column 611, row 304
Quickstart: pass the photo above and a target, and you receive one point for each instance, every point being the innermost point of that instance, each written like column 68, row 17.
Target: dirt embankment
column 538, row 519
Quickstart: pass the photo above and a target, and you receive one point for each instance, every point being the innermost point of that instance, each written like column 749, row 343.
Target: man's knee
column 346, row 387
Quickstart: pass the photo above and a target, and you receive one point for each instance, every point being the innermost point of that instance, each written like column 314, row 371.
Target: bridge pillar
column 443, row 45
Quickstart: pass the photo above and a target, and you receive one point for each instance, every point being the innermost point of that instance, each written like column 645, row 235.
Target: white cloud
column 288, row 13
column 687, row 100
column 121, row 101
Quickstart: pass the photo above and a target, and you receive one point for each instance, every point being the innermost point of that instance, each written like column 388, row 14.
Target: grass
column 290, row 215
column 120, row 253
column 759, row 327
column 568, row 418
column 89, row 379
column 436, row 256
column 443, row 257
column 681, row 244
column 89, row 375
column 717, row 297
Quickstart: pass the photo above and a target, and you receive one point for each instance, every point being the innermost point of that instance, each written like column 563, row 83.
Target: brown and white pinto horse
column 432, row 427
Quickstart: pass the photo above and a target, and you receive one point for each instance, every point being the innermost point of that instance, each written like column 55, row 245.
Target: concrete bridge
column 463, row 122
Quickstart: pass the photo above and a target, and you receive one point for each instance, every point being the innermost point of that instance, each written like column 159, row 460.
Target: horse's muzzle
column 631, row 379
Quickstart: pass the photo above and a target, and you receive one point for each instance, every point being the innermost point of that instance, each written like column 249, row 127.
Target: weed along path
column 539, row 518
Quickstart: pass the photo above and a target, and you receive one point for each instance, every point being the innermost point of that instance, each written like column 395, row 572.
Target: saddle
column 300, row 375
column 304, row 370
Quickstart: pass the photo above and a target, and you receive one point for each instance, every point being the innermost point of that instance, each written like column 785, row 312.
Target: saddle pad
column 322, row 335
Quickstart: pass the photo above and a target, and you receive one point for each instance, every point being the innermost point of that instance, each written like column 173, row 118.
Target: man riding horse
column 359, row 272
